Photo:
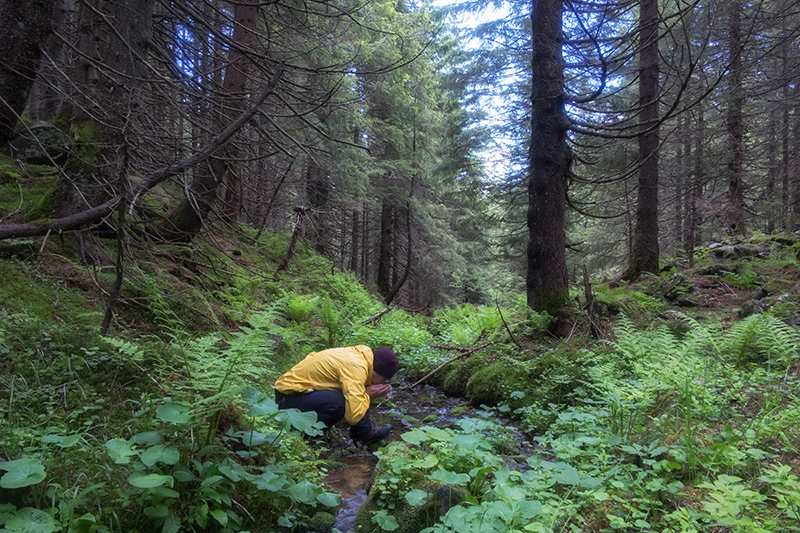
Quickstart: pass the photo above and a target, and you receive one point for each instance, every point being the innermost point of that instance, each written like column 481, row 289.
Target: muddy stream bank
column 405, row 409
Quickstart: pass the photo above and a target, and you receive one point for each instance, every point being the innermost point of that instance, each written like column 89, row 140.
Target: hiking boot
column 375, row 434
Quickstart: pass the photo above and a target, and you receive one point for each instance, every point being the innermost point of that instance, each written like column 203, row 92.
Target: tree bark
column 386, row 252
column 24, row 27
column 645, row 254
column 736, row 224
column 549, row 159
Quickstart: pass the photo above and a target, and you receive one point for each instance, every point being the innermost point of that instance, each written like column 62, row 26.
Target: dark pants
column 329, row 406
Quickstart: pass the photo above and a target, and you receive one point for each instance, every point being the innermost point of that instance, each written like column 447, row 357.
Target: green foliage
column 405, row 334
column 746, row 279
column 636, row 305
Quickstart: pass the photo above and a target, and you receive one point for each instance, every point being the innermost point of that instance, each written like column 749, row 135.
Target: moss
column 170, row 300
column 44, row 208
column 43, row 299
column 88, row 143
column 320, row 522
column 9, row 172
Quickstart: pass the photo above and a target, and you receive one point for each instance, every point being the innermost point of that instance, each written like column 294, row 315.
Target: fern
column 746, row 279
column 763, row 338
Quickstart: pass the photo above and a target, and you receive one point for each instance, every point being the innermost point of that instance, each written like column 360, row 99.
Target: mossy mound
column 164, row 299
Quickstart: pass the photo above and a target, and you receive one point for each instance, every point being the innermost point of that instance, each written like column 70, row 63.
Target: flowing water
column 352, row 481
column 404, row 409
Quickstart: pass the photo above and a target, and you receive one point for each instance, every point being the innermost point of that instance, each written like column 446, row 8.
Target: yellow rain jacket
column 346, row 369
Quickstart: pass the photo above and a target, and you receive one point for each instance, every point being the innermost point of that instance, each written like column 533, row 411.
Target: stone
column 725, row 252
column 41, row 144
column 751, row 307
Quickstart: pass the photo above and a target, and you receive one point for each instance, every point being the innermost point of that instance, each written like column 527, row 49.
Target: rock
column 42, row 144
column 687, row 301
column 760, row 294
column 448, row 496
column 714, row 245
column 751, row 307
column 725, row 252
column 748, row 250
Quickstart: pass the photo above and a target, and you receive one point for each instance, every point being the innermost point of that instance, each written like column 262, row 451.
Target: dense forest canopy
column 361, row 127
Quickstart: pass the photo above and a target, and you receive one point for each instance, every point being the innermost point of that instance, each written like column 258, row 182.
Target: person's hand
column 376, row 391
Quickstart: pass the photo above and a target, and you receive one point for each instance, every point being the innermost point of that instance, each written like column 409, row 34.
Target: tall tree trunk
column 24, row 27
column 356, row 240
column 188, row 218
column 680, row 181
column 772, row 171
column 386, row 253
column 689, row 198
column 645, row 255
column 735, row 124
column 549, row 160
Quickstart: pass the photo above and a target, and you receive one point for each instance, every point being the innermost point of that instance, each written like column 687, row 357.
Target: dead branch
column 506, row 325
column 376, row 316
column 78, row 220
column 469, row 351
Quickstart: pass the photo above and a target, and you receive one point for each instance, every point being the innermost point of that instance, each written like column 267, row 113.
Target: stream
column 404, row 409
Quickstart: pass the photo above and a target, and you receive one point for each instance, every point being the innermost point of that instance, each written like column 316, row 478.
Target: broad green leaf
column 416, row 497
column 415, row 436
column 148, row 481
column 509, row 493
column 84, row 524
column 429, row 461
column 449, row 478
column 173, row 412
column 528, row 509
column 30, row 520
column 147, row 438
column 211, row 480
column 234, row 471
column 182, row 474
column 220, row 516
column 164, row 492
column 21, row 473
column 254, row 438
column 329, row 499
column 260, row 403
column 501, row 509
column 156, row 511
column 270, row 481
column 440, row 434
column 303, row 492
column 172, row 524
column 120, row 450
column 63, row 441
column 386, row 521
column 471, row 442
column 305, row 422
column 160, row 454
column 566, row 474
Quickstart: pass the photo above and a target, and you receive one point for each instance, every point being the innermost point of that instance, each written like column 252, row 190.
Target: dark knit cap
column 384, row 361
